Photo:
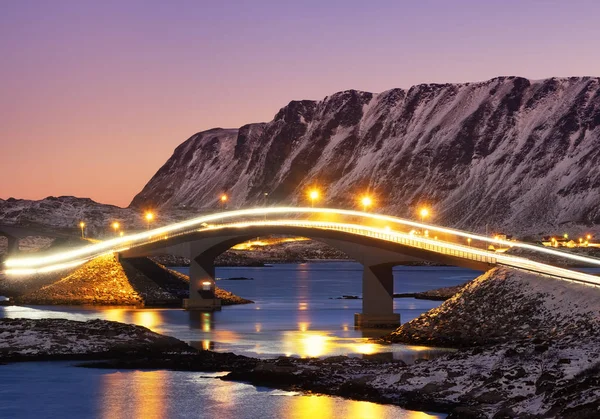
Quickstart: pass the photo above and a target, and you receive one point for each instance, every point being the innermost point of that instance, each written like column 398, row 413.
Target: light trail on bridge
column 62, row 260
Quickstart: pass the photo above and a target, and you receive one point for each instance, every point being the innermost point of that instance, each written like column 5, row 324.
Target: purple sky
column 95, row 95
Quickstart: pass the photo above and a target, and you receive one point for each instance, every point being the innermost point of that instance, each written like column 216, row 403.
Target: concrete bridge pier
column 202, row 285
column 378, row 298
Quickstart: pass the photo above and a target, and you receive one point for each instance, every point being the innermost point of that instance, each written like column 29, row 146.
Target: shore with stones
column 527, row 347
column 106, row 281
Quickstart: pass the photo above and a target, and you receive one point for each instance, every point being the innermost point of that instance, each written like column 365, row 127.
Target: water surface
column 296, row 313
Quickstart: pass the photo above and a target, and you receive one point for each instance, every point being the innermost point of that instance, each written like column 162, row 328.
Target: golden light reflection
column 257, row 327
column 116, row 315
column 137, row 394
column 150, row 385
column 150, row 319
column 366, row 410
column 303, row 306
column 303, row 326
column 310, row 407
column 226, row 336
column 315, row 345
column 206, row 345
column 205, row 322
column 365, row 348
column 411, row 414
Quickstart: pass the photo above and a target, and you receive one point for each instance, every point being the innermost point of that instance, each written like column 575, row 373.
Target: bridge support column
column 202, row 285
column 378, row 298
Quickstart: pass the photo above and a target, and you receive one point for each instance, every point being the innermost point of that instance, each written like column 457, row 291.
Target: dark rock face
column 509, row 152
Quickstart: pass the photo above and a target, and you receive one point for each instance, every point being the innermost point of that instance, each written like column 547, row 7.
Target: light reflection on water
column 296, row 312
column 44, row 390
column 294, row 315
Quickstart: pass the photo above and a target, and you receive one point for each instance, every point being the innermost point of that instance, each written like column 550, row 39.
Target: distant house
column 559, row 241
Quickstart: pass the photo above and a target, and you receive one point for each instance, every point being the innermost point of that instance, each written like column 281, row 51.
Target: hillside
column 510, row 153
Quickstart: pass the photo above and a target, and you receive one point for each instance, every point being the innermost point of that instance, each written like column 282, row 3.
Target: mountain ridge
column 509, row 152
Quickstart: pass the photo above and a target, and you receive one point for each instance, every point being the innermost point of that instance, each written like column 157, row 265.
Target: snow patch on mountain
column 510, row 153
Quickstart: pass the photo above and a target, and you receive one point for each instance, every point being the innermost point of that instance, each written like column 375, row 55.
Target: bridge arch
column 378, row 257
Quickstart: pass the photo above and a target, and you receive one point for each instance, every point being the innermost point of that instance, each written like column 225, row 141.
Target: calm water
column 296, row 313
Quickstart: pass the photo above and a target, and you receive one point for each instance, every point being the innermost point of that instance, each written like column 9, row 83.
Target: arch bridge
column 377, row 241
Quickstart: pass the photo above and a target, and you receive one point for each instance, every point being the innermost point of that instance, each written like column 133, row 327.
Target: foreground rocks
column 49, row 339
column 504, row 305
column 528, row 349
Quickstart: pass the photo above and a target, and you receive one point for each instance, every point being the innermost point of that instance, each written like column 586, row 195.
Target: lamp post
column 423, row 213
column 116, row 226
column 149, row 217
column 82, row 226
column 223, row 201
column 366, row 203
column 313, row 195
column 266, row 195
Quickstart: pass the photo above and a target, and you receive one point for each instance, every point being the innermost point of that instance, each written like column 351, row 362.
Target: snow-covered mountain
column 511, row 153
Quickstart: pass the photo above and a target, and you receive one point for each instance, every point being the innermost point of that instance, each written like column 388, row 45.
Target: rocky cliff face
column 509, row 152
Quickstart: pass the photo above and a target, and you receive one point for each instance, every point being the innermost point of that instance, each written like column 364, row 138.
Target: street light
column 469, row 241
column 589, row 237
column 149, row 217
column 313, row 195
column 423, row 213
column 82, row 226
column 366, row 202
column 116, row 226
column 223, row 200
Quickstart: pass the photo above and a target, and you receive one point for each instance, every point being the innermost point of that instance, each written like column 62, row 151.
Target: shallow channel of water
column 296, row 313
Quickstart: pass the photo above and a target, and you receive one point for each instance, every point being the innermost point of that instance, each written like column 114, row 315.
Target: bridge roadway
column 377, row 241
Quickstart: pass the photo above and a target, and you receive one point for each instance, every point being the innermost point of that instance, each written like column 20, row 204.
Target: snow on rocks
column 529, row 348
column 45, row 339
column 503, row 305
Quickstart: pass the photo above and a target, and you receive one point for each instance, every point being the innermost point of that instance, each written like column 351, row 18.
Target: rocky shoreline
column 528, row 347
column 60, row 339
column 106, row 281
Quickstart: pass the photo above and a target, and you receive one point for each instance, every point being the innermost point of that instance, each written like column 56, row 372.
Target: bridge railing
column 406, row 239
